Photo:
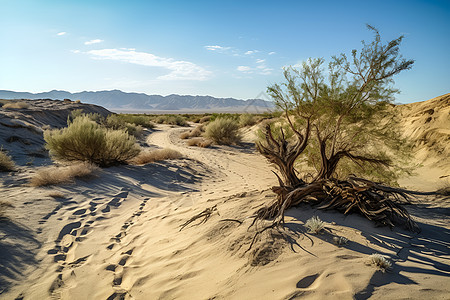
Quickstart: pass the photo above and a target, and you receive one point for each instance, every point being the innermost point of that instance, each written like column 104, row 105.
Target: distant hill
column 118, row 100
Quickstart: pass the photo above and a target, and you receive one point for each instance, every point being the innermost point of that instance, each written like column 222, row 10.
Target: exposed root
column 205, row 214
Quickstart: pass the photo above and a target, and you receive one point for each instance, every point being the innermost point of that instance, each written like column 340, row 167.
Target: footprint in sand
column 307, row 281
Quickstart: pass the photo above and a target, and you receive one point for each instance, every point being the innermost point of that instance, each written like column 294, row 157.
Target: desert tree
column 339, row 114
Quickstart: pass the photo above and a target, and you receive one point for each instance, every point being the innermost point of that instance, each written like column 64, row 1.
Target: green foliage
column 85, row 140
column 223, row 131
column 116, row 123
column 352, row 130
column 140, row 120
column 171, row 120
column 247, row 120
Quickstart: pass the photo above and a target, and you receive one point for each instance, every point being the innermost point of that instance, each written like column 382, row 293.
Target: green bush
column 171, row 120
column 223, row 131
column 6, row 163
column 85, row 140
column 139, row 120
column 247, row 120
column 116, row 123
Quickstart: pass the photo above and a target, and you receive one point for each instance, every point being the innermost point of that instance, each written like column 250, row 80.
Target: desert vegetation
column 333, row 120
column 86, row 140
column 150, row 156
column 380, row 261
column 59, row 175
column 199, row 142
column 16, row 105
column 223, row 131
column 6, row 163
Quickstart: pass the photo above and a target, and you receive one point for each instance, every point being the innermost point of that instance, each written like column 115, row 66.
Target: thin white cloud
column 250, row 52
column 179, row 70
column 260, row 61
column 61, row 33
column 272, row 53
column 217, row 48
column 91, row 42
column 75, row 51
column 245, row 69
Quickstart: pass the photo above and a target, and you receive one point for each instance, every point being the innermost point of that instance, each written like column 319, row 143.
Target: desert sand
column 118, row 235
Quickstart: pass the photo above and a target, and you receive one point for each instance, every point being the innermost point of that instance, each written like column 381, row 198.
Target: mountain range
column 122, row 101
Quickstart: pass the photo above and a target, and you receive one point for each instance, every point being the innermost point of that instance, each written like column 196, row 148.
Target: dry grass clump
column 340, row 240
column 205, row 119
column 223, row 131
column 85, row 140
column 6, row 163
column 315, row 225
column 59, row 175
column 199, row 142
column 17, row 105
column 380, row 261
column 56, row 195
column 146, row 157
column 196, row 132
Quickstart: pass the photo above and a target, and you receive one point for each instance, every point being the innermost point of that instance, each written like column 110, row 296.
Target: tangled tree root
column 376, row 202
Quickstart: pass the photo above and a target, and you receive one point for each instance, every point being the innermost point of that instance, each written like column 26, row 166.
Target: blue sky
column 218, row 48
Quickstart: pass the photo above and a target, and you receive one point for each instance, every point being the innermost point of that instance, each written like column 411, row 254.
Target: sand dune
column 118, row 236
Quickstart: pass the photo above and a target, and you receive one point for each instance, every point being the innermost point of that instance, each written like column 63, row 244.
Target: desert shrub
column 77, row 101
column 185, row 135
column 199, row 142
column 196, row 132
column 116, row 123
column 6, row 163
column 76, row 113
column 146, row 157
column 380, row 261
column 223, row 131
column 171, row 120
column 17, row 105
column 140, row 120
column 205, row 119
column 247, row 120
column 315, row 225
column 59, row 175
column 85, row 140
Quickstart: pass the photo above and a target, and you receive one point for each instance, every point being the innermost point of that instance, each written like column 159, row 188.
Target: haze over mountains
column 118, row 100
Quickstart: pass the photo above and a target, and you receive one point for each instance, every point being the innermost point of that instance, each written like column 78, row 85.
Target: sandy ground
column 118, row 236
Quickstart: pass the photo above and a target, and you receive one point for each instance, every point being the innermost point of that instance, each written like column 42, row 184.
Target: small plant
column 315, row 225
column 199, row 142
column 380, row 261
column 16, row 105
column 60, row 175
column 146, row 157
column 223, row 131
column 6, row 163
column 340, row 240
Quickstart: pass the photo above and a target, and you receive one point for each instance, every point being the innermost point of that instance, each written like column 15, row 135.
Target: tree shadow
column 429, row 250
column 18, row 248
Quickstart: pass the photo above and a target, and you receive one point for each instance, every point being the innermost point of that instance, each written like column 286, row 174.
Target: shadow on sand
column 429, row 250
column 18, row 248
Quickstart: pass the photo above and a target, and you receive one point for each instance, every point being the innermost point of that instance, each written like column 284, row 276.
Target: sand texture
column 120, row 235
